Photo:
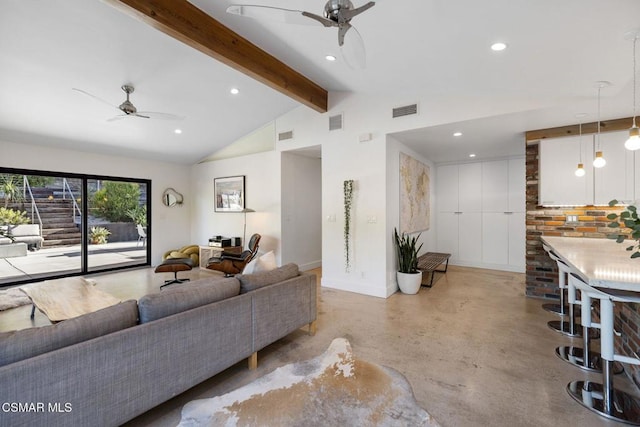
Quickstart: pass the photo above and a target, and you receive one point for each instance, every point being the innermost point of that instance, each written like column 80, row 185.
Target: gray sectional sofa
column 107, row 367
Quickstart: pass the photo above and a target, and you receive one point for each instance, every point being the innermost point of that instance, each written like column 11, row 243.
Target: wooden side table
column 207, row 252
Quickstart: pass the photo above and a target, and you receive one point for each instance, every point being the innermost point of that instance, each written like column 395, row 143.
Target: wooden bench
column 430, row 261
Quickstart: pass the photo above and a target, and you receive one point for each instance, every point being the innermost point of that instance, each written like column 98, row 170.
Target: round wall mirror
column 171, row 197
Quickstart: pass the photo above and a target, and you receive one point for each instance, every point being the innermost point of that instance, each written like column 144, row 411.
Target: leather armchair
column 231, row 263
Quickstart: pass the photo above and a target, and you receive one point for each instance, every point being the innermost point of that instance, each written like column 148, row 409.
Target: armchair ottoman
column 174, row 266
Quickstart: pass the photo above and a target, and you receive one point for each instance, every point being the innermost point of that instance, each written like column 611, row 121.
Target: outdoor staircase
column 56, row 213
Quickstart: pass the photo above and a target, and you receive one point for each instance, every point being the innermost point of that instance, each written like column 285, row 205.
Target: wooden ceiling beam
column 587, row 128
column 185, row 22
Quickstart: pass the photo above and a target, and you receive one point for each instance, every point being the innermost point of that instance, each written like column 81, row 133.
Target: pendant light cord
column 635, row 39
column 599, row 89
column 580, row 139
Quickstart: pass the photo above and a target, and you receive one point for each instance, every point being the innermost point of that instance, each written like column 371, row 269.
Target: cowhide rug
column 334, row 389
column 13, row 297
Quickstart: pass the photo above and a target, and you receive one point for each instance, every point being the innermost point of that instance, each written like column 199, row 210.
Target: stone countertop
column 602, row 262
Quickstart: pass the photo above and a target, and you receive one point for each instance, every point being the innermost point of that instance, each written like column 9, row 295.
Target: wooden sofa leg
column 253, row 361
column 312, row 328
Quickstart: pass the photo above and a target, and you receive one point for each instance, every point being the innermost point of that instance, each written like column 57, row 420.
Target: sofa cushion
column 27, row 343
column 266, row 262
column 249, row 282
column 185, row 297
column 25, row 230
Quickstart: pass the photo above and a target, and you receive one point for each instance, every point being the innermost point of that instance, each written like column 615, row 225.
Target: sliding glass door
column 55, row 225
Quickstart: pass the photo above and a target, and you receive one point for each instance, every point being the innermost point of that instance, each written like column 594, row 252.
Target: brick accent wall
column 541, row 271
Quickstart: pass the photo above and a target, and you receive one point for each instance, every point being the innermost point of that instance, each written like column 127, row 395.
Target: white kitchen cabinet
column 616, row 179
column 559, row 157
column 503, row 239
column 481, row 213
column 447, row 188
column 470, row 187
column 558, row 160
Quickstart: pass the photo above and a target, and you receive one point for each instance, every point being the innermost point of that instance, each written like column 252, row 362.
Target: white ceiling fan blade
column 158, row 116
column 352, row 48
column 287, row 16
column 95, row 97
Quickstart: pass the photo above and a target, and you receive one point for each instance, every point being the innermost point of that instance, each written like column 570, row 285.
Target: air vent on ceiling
column 283, row 136
column 406, row 110
column 335, row 122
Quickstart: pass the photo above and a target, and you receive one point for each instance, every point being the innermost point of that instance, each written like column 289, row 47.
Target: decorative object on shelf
column 229, row 193
column 633, row 143
column 171, row 198
column 348, row 201
column 580, row 169
column 628, row 217
column 599, row 161
column 408, row 276
column 414, row 195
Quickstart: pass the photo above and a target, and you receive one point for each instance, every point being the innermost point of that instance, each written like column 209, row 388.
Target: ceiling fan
column 129, row 110
column 337, row 13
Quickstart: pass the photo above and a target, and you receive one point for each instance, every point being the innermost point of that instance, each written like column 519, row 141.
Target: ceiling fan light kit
column 336, row 13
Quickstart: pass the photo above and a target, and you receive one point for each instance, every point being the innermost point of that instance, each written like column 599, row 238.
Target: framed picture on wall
column 229, row 194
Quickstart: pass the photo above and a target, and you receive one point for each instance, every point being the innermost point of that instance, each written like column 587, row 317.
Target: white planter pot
column 409, row 283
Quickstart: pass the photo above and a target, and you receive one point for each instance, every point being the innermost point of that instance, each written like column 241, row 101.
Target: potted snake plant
column 408, row 276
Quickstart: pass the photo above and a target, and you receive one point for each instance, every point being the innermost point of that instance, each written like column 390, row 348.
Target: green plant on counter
column 98, row 235
column 628, row 218
column 407, row 252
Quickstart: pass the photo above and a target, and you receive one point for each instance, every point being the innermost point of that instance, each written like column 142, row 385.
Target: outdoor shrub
column 114, row 200
column 14, row 217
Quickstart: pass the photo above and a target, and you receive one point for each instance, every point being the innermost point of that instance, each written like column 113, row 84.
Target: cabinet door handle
column 458, row 213
column 508, row 213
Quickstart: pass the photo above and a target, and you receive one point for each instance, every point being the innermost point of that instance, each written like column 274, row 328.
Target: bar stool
column 603, row 398
column 576, row 355
column 562, row 308
column 569, row 326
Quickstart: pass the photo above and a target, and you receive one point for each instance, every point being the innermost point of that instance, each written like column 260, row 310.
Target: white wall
column 374, row 167
column 262, row 172
column 427, row 237
column 169, row 226
column 301, row 211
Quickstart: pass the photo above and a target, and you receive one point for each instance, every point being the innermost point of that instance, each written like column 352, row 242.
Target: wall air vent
column 335, row 122
column 283, row 136
column 407, row 110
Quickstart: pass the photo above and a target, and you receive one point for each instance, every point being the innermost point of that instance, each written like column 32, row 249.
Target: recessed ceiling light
column 472, row 155
column 177, row 131
column 234, row 91
column 498, row 46
column 457, row 134
column 330, row 58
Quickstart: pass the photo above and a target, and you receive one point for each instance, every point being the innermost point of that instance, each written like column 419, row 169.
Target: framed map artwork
column 415, row 195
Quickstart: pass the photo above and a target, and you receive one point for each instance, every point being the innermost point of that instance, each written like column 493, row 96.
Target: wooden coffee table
column 64, row 299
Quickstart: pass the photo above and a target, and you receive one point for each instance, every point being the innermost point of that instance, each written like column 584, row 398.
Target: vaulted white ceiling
column 419, row 49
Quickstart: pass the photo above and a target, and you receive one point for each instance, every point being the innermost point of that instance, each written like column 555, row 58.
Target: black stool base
column 625, row 408
column 556, row 309
column 575, row 356
column 174, row 280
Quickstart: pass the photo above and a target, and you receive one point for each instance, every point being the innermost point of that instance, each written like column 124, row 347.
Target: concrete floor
column 476, row 351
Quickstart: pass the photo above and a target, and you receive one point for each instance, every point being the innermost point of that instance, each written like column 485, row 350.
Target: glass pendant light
column 580, row 169
column 599, row 161
column 633, row 143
